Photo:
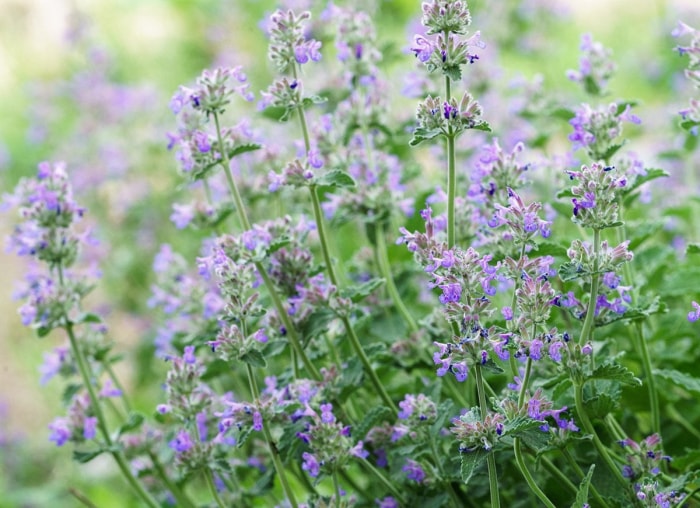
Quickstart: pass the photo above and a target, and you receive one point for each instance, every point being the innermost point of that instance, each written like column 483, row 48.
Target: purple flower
column 188, row 355
column 311, row 464
column 257, row 421
column 694, row 314
column 413, row 471
column 89, row 427
column 60, row 431
column 182, row 442
column 451, row 293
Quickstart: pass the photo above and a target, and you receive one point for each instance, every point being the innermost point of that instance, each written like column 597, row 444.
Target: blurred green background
column 161, row 44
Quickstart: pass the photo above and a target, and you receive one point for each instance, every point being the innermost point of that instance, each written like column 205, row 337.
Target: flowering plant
column 376, row 309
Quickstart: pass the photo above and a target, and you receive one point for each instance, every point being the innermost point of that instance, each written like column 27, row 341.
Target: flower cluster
column 329, row 440
column 446, row 51
column 596, row 66
column 522, row 221
column 595, row 195
column 597, row 130
column 692, row 72
column 474, row 433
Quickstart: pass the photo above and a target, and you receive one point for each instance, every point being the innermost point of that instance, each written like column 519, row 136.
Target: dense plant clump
column 446, row 309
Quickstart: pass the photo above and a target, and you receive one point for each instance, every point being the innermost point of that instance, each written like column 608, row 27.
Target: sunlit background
column 156, row 45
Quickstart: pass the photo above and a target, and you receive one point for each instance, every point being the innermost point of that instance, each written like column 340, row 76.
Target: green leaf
column 445, row 410
column 254, row 358
column 590, row 85
column 243, row 148
column 607, row 155
column 651, row 174
column 372, row 418
column 615, row 372
column 582, row 494
column 422, row 134
column 599, row 406
column 692, row 248
column 215, row 368
column 88, row 317
column 69, row 392
column 359, row 292
column 680, row 379
column 689, row 124
column 454, row 72
column 43, row 331
column 481, row 126
column 519, row 425
column 133, row 422
column 85, row 457
column 316, row 323
column 289, row 444
column 335, row 178
column 550, row 249
column 313, row 99
column 572, row 270
column 562, row 113
column 492, row 366
column 243, row 435
column 351, row 378
column 278, row 113
column 471, row 461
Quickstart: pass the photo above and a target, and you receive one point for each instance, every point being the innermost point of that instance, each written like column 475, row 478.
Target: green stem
column 373, row 377
column 572, row 462
column 447, row 484
column 384, row 481
column 588, row 323
column 490, row 459
column 336, row 488
column 81, row 498
column 209, row 477
column 107, row 366
column 528, row 477
column 674, row 414
column 321, row 230
column 274, row 454
column 588, row 427
column 245, row 223
column 179, row 495
column 451, row 190
column 226, row 163
column 556, row 472
column 101, row 422
column 641, row 341
column 384, row 268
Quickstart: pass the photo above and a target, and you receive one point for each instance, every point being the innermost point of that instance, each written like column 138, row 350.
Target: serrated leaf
column 615, row 372
column 277, row 243
column 572, row 270
column 519, row 425
column 375, row 415
column 243, row 148
column 680, row 379
column 599, row 406
column 582, row 494
column 254, row 358
column 636, row 313
column 422, row 134
column 85, row 457
column 335, row 178
column 358, row 292
column 492, row 366
column 608, row 154
column 243, row 435
column 683, row 462
column 471, row 461
column 134, row 421
column 481, row 126
column 651, row 174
